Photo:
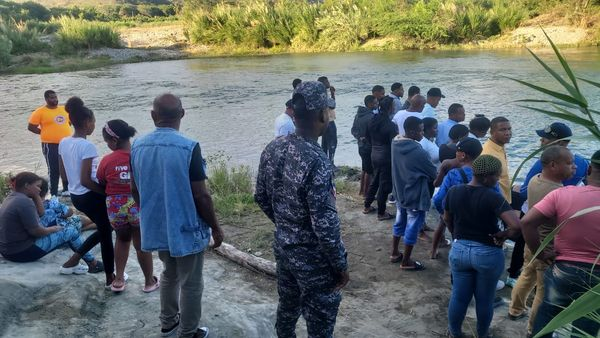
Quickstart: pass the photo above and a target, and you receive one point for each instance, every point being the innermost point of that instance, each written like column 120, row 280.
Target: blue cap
column 314, row 94
column 555, row 131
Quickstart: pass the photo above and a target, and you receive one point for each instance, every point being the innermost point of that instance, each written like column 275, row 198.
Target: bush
column 76, row 34
column 5, row 48
column 231, row 188
column 35, row 11
column 4, row 181
column 342, row 26
column 23, row 39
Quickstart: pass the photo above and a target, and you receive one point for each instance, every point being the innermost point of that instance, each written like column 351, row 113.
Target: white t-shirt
column 432, row 149
column 429, row 111
column 401, row 116
column 73, row 150
column 284, row 125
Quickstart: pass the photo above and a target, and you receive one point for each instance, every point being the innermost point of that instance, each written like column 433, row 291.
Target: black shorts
column 365, row 156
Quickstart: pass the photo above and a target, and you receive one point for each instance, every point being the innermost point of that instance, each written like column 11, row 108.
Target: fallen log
column 247, row 260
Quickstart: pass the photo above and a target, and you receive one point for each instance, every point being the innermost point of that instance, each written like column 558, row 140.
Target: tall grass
column 230, row 187
column 5, row 48
column 76, row 34
column 23, row 39
column 4, row 186
column 347, row 24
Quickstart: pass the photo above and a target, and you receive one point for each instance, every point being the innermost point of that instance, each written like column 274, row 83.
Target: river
column 231, row 102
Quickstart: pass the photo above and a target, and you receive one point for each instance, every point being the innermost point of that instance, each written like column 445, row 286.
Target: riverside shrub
column 340, row 25
column 76, row 34
column 5, row 48
column 23, row 38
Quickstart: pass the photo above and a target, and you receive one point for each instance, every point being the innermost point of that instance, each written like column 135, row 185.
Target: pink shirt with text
column 579, row 238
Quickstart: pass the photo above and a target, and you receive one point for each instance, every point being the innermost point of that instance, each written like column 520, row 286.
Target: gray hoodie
column 411, row 171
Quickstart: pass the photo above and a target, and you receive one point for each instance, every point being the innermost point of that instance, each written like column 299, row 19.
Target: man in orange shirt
column 51, row 122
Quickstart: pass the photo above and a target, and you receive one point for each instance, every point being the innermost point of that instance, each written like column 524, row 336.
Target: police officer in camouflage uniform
column 295, row 190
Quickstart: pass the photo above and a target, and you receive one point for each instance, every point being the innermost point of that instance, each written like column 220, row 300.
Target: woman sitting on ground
column 471, row 212
column 23, row 239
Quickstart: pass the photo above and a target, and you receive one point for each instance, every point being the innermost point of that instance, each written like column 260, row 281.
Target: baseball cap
column 470, row 146
column 289, row 104
column 435, row 92
column 314, row 94
column 556, row 130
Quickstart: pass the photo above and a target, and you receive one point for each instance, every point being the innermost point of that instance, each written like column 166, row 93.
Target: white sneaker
column 500, row 285
column 78, row 269
column 65, row 193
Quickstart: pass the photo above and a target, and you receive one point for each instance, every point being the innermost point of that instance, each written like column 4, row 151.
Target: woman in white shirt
column 79, row 162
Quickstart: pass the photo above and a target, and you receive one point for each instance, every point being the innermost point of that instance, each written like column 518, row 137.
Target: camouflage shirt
column 295, row 190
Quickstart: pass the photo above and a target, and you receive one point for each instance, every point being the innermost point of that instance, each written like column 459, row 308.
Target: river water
column 231, row 102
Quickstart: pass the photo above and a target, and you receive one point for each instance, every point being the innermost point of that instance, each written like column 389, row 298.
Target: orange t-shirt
column 54, row 123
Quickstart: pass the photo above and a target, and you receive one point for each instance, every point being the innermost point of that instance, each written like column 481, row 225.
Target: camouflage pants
column 310, row 293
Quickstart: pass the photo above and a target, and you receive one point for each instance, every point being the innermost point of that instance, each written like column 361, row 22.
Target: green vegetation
column 231, row 188
column 23, row 27
column 4, row 186
column 77, row 34
column 570, row 105
column 349, row 24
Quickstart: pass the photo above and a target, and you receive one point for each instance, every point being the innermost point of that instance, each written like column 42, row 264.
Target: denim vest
column 160, row 162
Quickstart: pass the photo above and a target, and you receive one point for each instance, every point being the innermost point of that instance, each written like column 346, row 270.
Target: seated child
column 57, row 213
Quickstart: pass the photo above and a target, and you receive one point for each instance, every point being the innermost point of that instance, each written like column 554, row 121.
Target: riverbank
column 380, row 300
column 158, row 42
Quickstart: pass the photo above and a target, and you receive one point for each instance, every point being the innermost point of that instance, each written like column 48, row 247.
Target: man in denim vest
column 176, row 215
column 295, row 190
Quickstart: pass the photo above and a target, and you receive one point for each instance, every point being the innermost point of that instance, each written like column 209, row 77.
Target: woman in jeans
column 476, row 259
column 79, row 162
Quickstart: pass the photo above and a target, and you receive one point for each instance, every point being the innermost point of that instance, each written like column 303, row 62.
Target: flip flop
column 153, row 287
column 418, row 266
column 114, row 288
column 397, row 259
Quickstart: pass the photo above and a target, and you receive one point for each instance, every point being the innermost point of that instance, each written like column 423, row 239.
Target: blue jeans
column 408, row 224
column 69, row 235
column 565, row 281
column 475, row 271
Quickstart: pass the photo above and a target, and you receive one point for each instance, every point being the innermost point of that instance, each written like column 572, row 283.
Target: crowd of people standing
column 153, row 193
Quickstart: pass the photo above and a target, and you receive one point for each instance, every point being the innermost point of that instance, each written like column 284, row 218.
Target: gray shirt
column 18, row 217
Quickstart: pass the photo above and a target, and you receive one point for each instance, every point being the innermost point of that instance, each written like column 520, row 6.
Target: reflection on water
column 231, row 102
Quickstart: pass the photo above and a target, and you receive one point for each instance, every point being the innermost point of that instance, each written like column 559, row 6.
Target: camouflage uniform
column 295, row 190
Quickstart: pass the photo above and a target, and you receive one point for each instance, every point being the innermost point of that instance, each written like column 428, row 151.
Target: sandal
column 99, row 267
column 385, row 217
column 368, row 210
column 417, row 266
column 396, row 259
column 114, row 288
column 154, row 287
column 109, row 286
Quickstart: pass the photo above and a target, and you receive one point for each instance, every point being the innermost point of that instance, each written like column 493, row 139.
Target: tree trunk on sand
column 247, row 260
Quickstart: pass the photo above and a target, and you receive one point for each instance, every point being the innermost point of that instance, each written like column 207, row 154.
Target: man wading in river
column 51, row 122
column 295, row 190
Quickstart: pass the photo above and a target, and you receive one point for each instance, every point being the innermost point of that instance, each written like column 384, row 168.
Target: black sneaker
column 169, row 331
column 201, row 333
